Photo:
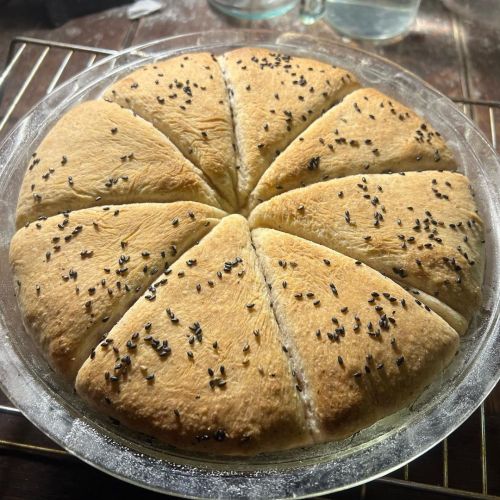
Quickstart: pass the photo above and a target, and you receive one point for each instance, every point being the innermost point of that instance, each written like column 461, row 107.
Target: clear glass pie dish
column 56, row 410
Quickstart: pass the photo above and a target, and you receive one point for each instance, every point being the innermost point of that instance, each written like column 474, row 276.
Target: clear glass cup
column 364, row 19
column 253, row 9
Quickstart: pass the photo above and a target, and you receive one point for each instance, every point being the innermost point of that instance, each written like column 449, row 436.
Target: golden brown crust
column 420, row 228
column 357, row 136
column 353, row 372
column 248, row 405
column 77, row 275
column 100, row 154
column 274, row 98
column 186, row 99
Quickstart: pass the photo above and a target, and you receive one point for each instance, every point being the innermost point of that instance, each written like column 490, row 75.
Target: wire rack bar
column 484, row 464
column 24, row 86
column 12, row 63
column 91, row 60
column 493, row 128
column 17, row 52
column 476, row 102
column 59, row 72
column 61, row 45
column 445, row 462
column 9, row 410
column 31, row 448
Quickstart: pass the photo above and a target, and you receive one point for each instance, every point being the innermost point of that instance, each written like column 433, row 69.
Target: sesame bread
column 77, row 274
column 274, row 98
column 100, row 154
column 366, row 347
column 209, row 373
column 367, row 133
column 420, row 228
column 335, row 304
column 186, row 99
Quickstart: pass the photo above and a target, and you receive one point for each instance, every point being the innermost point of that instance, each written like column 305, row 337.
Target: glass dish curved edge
column 374, row 451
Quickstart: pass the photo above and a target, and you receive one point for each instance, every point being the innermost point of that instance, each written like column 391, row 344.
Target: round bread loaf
column 334, row 304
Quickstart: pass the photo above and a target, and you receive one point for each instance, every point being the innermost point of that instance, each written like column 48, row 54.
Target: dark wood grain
column 481, row 46
column 18, row 19
column 30, row 477
column 458, row 58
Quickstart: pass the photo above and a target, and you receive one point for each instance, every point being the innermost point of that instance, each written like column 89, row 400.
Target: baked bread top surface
column 367, row 132
column 420, row 228
column 101, row 154
column 274, row 98
column 218, row 376
column 174, row 316
column 366, row 346
column 77, row 274
column 185, row 98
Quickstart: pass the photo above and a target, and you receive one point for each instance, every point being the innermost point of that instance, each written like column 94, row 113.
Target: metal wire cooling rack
column 36, row 67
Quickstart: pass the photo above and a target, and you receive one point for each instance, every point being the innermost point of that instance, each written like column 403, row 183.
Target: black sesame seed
column 313, row 163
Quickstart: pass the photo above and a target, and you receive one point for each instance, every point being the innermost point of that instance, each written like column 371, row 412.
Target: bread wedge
column 368, row 133
column 274, row 98
column 100, row 154
column 198, row 361
column 421, row 229
column 364, row 347
column 77, row 274
column 185, row 98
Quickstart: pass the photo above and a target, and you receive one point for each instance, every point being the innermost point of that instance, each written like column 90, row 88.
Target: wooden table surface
column 459, row 57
